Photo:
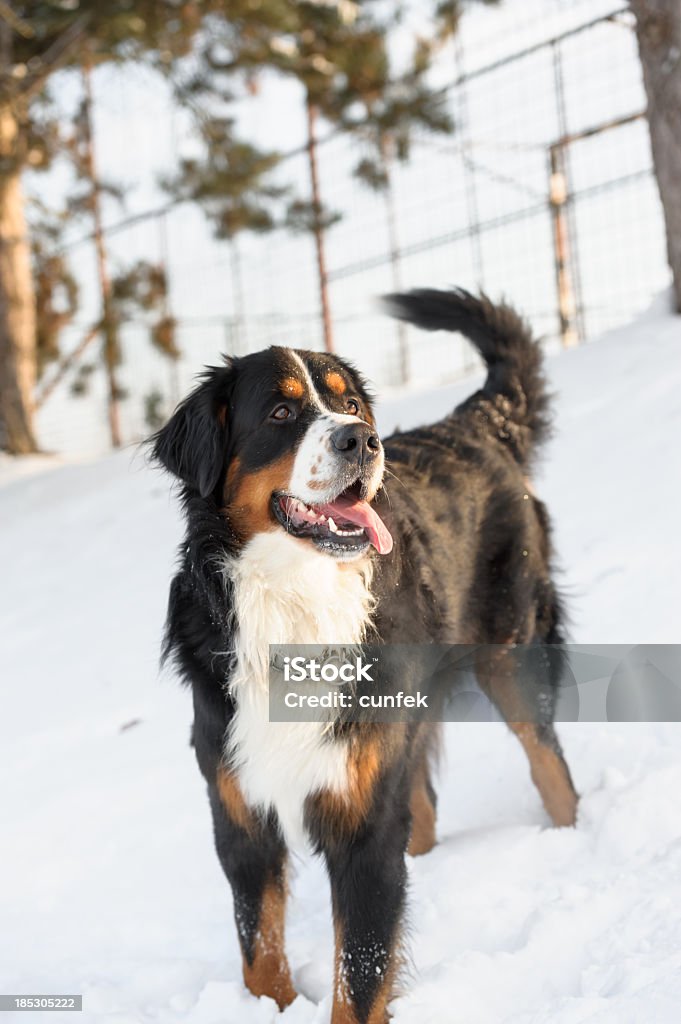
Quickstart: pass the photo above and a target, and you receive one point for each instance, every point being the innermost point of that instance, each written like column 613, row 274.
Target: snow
column 110, row 885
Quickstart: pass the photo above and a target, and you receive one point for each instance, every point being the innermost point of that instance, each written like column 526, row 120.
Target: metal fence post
column 558, row 198
column 568, row 232
column 469, row 180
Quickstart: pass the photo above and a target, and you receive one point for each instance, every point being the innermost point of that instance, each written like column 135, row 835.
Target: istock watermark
column 453, row 682
column 301, row 670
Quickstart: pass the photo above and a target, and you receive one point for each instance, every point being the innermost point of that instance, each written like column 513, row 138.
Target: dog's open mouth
column 347, row 524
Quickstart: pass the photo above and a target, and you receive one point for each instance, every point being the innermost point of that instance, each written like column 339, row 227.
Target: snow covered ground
column 109, row 884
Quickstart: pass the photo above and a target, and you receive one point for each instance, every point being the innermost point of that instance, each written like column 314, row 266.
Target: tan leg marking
column 550, row 775
column 423, row 837
column 269, row 973
column 232, row 800
column 344, row 812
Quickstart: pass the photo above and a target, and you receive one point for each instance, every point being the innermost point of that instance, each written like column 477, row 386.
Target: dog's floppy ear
column 192, row 445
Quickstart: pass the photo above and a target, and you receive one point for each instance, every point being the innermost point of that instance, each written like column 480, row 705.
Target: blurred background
column 185, row 178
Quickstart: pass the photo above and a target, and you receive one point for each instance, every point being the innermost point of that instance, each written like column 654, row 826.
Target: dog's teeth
column 322, row 518
column 332, row 526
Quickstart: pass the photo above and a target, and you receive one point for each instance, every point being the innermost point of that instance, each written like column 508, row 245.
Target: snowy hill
column 110, row 885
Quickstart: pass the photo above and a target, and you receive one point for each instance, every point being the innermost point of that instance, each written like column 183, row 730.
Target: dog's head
column 283, row 440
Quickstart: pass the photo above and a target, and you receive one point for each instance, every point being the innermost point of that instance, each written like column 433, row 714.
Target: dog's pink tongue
column 351, row 510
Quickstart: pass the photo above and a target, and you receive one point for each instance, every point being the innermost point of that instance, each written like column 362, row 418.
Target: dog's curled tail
column 514, row 401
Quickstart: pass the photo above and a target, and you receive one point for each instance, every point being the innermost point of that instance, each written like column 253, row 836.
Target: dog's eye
column 282, row 412
column 352, row 406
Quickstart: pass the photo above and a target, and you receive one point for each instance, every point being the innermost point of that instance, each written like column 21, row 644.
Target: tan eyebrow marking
column 335, row 383
column 291, row 387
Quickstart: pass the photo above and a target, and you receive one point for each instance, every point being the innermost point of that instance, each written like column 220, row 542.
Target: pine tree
column 339, row 54
column 37, row 38
column 231, row 181
column 386, row 125
column 334, row 51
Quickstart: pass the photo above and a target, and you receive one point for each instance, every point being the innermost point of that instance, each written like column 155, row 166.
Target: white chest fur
column 287, row 592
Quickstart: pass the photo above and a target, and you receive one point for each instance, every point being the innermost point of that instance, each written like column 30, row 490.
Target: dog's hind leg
column 525, row 698
column 422, row 805
column 549, row 770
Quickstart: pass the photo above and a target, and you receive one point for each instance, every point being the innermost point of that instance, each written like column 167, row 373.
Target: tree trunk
column 658, row 27
column 318, row 226
column 17, row 302
column 109, row 320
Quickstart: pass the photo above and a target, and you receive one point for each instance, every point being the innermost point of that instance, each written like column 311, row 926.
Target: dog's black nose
column 356, row 442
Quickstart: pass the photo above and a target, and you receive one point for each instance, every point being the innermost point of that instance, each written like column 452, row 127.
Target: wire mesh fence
column 544, row 194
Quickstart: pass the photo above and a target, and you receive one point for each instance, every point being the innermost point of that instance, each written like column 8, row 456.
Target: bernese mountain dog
column 304, row 528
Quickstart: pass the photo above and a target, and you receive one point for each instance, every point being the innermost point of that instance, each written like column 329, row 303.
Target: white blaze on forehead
column 317, row 400
column 315, row 397
column 317, row 462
